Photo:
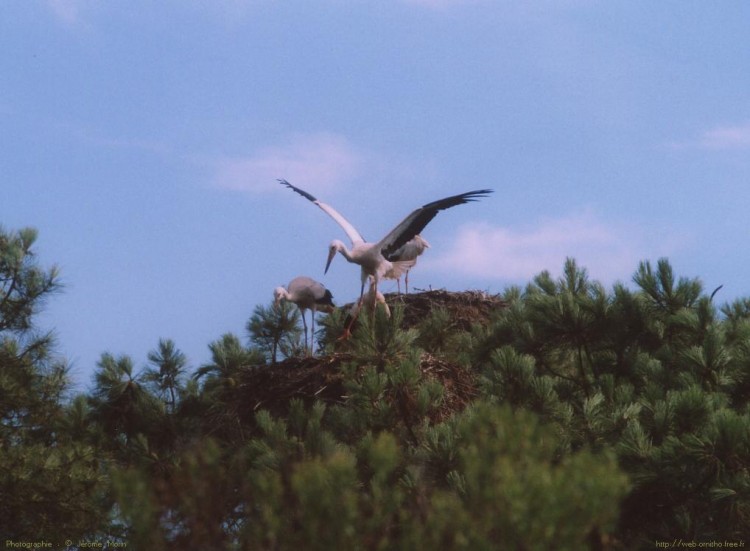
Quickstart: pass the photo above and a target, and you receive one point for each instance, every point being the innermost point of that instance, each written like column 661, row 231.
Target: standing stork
column 410, row 251
column 380, row 260
column 370, row 301
column 307, row 294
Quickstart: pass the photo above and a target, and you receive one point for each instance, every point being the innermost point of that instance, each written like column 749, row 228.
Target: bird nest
column 465, row 308
column 322, row 379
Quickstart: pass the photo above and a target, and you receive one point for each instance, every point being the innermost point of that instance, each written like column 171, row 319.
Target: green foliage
column 518, row 490
column 24, row 286
column 276, row 329
column 379, row 339
column 216, row 404
column 654, row 374
column 599, row 419
column 228, row 357
column 167, row 373
column 436, row 331
column 50, row 479
column 122, row 404
column 286, row 491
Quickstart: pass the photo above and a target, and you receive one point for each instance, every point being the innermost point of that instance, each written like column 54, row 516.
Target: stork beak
column 331, row 254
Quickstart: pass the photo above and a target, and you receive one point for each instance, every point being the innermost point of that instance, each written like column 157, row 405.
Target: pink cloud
column 69, row 12
column 727, row 137
column 321, row 161
column 441, row 4
column 492, row 252
column 719, row 138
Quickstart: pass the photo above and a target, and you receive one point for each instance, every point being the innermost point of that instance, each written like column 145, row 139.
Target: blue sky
column 144, row 140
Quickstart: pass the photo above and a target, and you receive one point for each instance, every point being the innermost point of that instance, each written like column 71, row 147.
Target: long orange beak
column 330, row 258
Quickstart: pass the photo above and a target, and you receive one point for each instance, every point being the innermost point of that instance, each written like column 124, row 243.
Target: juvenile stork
column 307, row 294
column 380, row 260
column 370, row 302
column 410, row 251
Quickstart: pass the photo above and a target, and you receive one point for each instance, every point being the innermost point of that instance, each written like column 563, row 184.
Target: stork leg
column 348, row 330
column 406, row 281
column 312, row 334
column 374, row 292
column 304, row 324
column 354, row 312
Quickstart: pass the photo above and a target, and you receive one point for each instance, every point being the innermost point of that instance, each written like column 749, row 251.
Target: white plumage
column 381, row 259
column 409, row 252
column 370, row 301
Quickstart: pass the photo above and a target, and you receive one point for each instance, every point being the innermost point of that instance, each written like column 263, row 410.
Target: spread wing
column 351, row 231
column 417, row 220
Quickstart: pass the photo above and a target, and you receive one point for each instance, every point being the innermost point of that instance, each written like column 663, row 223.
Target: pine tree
column 49, row 479
column 652, row 373
column 590, row 418
column 121, row 402
column 168, row 372
column 276, row 329
column 603, row 419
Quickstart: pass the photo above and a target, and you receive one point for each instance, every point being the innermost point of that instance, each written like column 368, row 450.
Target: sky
column 144, row 140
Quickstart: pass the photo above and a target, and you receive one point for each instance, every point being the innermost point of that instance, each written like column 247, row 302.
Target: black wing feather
column 326, row 299
column 303, row 193
column 426, row 213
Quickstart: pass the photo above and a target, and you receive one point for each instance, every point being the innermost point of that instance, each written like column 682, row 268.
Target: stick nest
column 465, row 308
column 321, row 378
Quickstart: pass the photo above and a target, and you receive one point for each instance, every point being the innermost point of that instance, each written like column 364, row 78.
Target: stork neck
column 346, row 253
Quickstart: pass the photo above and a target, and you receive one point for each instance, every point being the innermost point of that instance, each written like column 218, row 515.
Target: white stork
column 410, row 251
column 307, row 294
column 370, row 301
column 372, row 298
column 380, row 259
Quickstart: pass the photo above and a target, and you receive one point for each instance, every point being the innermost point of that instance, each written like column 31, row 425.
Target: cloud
column 322, row 161
column 67, row 11
column 442, row 4
column 719, row 138
column 491, row 252
column 727, row 137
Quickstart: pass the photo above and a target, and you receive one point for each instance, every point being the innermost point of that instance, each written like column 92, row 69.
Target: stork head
column 421, row 241
column 279, row 294
column 333, row 248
